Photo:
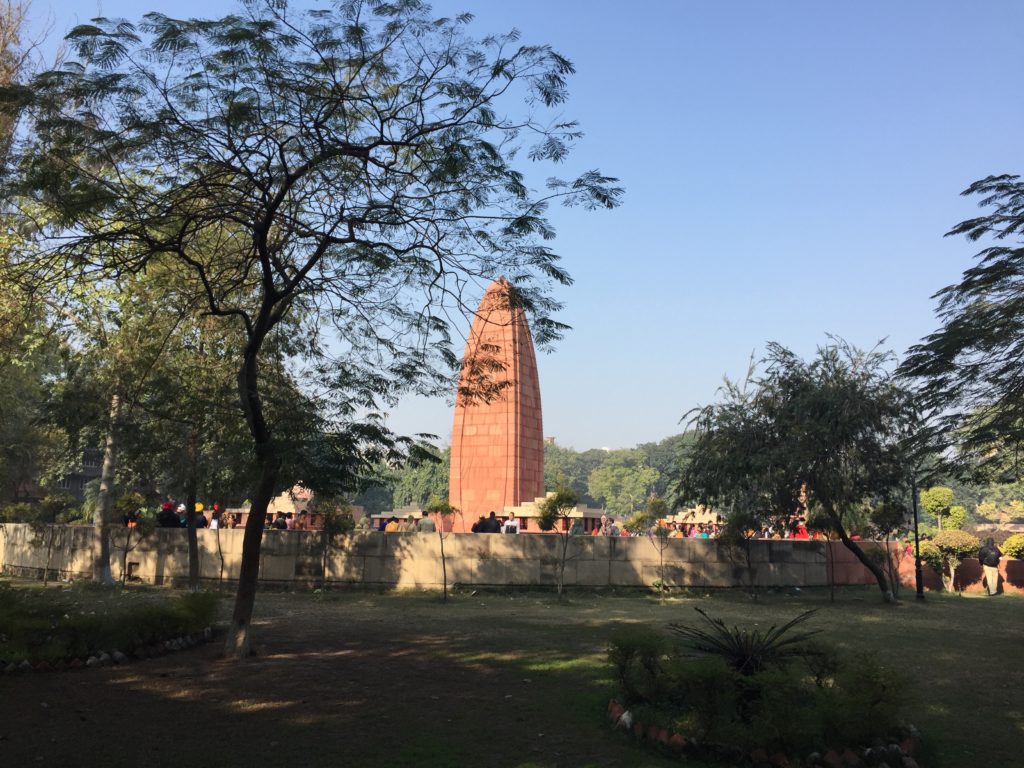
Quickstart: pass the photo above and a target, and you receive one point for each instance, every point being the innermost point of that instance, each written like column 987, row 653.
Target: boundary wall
column 413, row 560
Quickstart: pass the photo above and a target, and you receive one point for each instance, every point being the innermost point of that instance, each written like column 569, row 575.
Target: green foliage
column 639, row 522
column 745, row 650
column 837, row 703
column 128, row 503
column 833, row 426
column 956, row 544
column 53, row 626
column 422, row 477
column 623, row 482
column 708, row 692
column 636, row 653
column 969, row 369
column 55, row 508
column 956, row 518
column 337, row 516
column 557, row 506
column 440, row 506
column 1014, row 546
column 947, row 550
column 667, row 458
column 936, row 502
column 889, row 518
column 567, row 468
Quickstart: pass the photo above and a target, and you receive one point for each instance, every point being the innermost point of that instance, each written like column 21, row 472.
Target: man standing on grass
column 988, row 556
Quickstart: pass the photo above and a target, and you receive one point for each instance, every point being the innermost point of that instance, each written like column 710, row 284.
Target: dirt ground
column 344, row 681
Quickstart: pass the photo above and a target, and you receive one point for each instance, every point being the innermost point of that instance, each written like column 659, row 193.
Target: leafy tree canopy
column 829, row 430
column 969, row 370
column 352, row 168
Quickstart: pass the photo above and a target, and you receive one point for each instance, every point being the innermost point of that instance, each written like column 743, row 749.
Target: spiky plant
column 748, row 651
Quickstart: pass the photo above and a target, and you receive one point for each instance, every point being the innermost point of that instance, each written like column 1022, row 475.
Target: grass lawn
column 365, row 679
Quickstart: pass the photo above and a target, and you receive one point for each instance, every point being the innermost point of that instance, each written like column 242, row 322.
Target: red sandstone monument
column 497, row 457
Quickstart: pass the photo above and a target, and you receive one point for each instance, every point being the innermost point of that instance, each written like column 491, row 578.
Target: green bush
column 53, row 625
column 775, row 704
column 705, row 694
column 956, row 518
column 947, row 550
column 1014, row 546
column 636, row 654
column 745, row 650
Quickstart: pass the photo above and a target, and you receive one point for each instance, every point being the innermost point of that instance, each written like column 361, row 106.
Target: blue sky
column 790, row 170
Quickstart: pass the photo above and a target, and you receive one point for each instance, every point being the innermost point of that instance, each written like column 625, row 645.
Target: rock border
column 883, row 753
column 113, row 658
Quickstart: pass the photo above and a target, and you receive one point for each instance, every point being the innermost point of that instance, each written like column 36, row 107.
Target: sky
column 790, row 170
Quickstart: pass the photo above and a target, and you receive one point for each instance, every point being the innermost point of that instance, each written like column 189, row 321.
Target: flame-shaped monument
column 497, row 457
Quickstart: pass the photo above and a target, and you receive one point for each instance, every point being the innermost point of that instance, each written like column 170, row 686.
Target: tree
column 445, row 512
column 732, row 463
column 350, row 165
column 337, row 521
column 623, row 482
column 828, row 430
column 936, row 501
column 956, row 518
column 946, row 551
column 888, row 520
column 666, row 458
column 423, row 477
column 659, row 536
column 970, row 370
column 555, row 513
column 567, row 468
column 16, row 54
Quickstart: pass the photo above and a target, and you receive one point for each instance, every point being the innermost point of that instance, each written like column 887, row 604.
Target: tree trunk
column 875, row 568
column 561, row 563
column 124, row 557
column 191, row 486
column 105, row 501
column 239, row 641
column 444, row 563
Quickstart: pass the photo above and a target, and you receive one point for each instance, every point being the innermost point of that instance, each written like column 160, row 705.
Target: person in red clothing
column 800, row 530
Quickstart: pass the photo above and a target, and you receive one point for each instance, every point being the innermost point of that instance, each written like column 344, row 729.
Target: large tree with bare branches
column 350, row 167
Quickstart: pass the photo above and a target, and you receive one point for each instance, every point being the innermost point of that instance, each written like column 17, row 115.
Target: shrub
column 745, row 650
column 636, row 656
column 730, row 708
column 1014, row 546
column 947, row 550
column 956, row 519
column 705, row 694
column 55, row 626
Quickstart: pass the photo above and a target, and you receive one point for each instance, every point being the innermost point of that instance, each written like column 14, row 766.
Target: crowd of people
column 173, row 514
column 392, row 524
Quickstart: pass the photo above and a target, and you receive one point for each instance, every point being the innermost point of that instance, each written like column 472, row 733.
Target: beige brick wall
column 410, row 561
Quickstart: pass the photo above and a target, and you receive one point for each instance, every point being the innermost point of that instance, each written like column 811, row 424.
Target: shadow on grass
column 362, row 679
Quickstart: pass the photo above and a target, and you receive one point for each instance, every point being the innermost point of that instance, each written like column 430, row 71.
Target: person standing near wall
column 426, row 524
column 988, row 556
column 511, row 525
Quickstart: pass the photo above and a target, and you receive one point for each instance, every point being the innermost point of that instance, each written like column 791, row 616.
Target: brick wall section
column 293, row 558
column 497, row 458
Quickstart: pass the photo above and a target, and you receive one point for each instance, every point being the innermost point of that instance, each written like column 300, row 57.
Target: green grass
column 505, row 680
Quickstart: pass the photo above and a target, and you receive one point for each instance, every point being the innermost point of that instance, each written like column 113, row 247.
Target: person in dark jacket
column 988, row 556
column 491, row 525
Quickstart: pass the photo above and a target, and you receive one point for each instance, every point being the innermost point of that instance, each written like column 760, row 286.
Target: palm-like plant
column 747, row 651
